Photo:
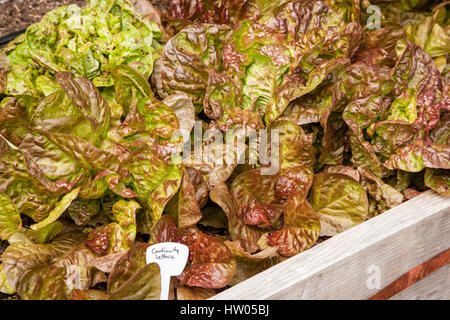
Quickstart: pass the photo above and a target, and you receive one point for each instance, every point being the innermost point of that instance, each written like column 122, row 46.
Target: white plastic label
column 171, row 258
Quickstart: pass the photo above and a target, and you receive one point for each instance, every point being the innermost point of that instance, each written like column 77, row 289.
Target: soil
column 16, row 15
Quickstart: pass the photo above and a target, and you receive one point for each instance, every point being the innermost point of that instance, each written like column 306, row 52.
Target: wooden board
column 413, row 276
column 359, row 262
column 436, row 286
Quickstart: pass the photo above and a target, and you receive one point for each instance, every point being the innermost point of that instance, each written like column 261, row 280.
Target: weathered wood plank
column 359, row 262
column 412, row 276
column 436, row 286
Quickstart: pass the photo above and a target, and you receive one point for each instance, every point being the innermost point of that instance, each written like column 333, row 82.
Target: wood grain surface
column 413, row 276
column 435, row 286
column 359, row 262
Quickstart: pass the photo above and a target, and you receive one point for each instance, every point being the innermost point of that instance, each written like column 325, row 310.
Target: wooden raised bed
column 388, row 246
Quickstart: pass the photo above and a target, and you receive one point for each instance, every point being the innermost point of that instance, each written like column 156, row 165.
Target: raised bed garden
column 291, row 145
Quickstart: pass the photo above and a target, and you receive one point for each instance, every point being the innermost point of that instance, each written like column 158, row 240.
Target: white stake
column 171, row 258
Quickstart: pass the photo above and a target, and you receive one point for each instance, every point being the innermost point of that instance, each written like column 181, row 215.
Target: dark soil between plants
column 16, row 15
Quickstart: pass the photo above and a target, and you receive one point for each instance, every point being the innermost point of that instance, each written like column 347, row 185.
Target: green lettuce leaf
column 45, row 234
column 384, row 196
column 65, row 38
column 10, row 220
column 212, row 266
column 26, row 185
column 431, row 34
column 248, row 265
column 43, row 283
column 143, row 285
column 239, row 231
column 5, row 287
column 58, row 210
column 20, row 74
column 339, row 201
column 130, row 86
column 112, row 127
column 155, row 181
column 21, row 257
column 438, row 180
column 119, row 235
column 215, row 160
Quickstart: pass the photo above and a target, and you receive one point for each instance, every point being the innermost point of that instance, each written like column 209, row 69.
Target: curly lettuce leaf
column 26, row 185
column 311, row 107
column 186, row 58
column 221, row 96
column 223, row 12
column 384, row 196
column 55, row 281
column 5, row 287
column 215, row 160
column 50, row 160
column 293, row 179
column 239, row 231
column 82, row 210
column 256, row 199
column 45, row 234
column 290, row 91
column 78, row 294
column 87, row 98
column 301, row 227
column 144, row 285
column 182, row 105
column 15, row 114
column 119, row 235
column 440, row 133
column 415, row 71
column 194, row 293
column 212, row 266
column 431, row 33
column 19, row 71
column 130, row 86
column 295, row 145
column 65, row 38
column 150, row 117
column 419, row 155
column 438, row 180
column 358, row 115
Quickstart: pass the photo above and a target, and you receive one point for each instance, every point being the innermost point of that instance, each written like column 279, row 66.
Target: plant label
column 171, row 258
